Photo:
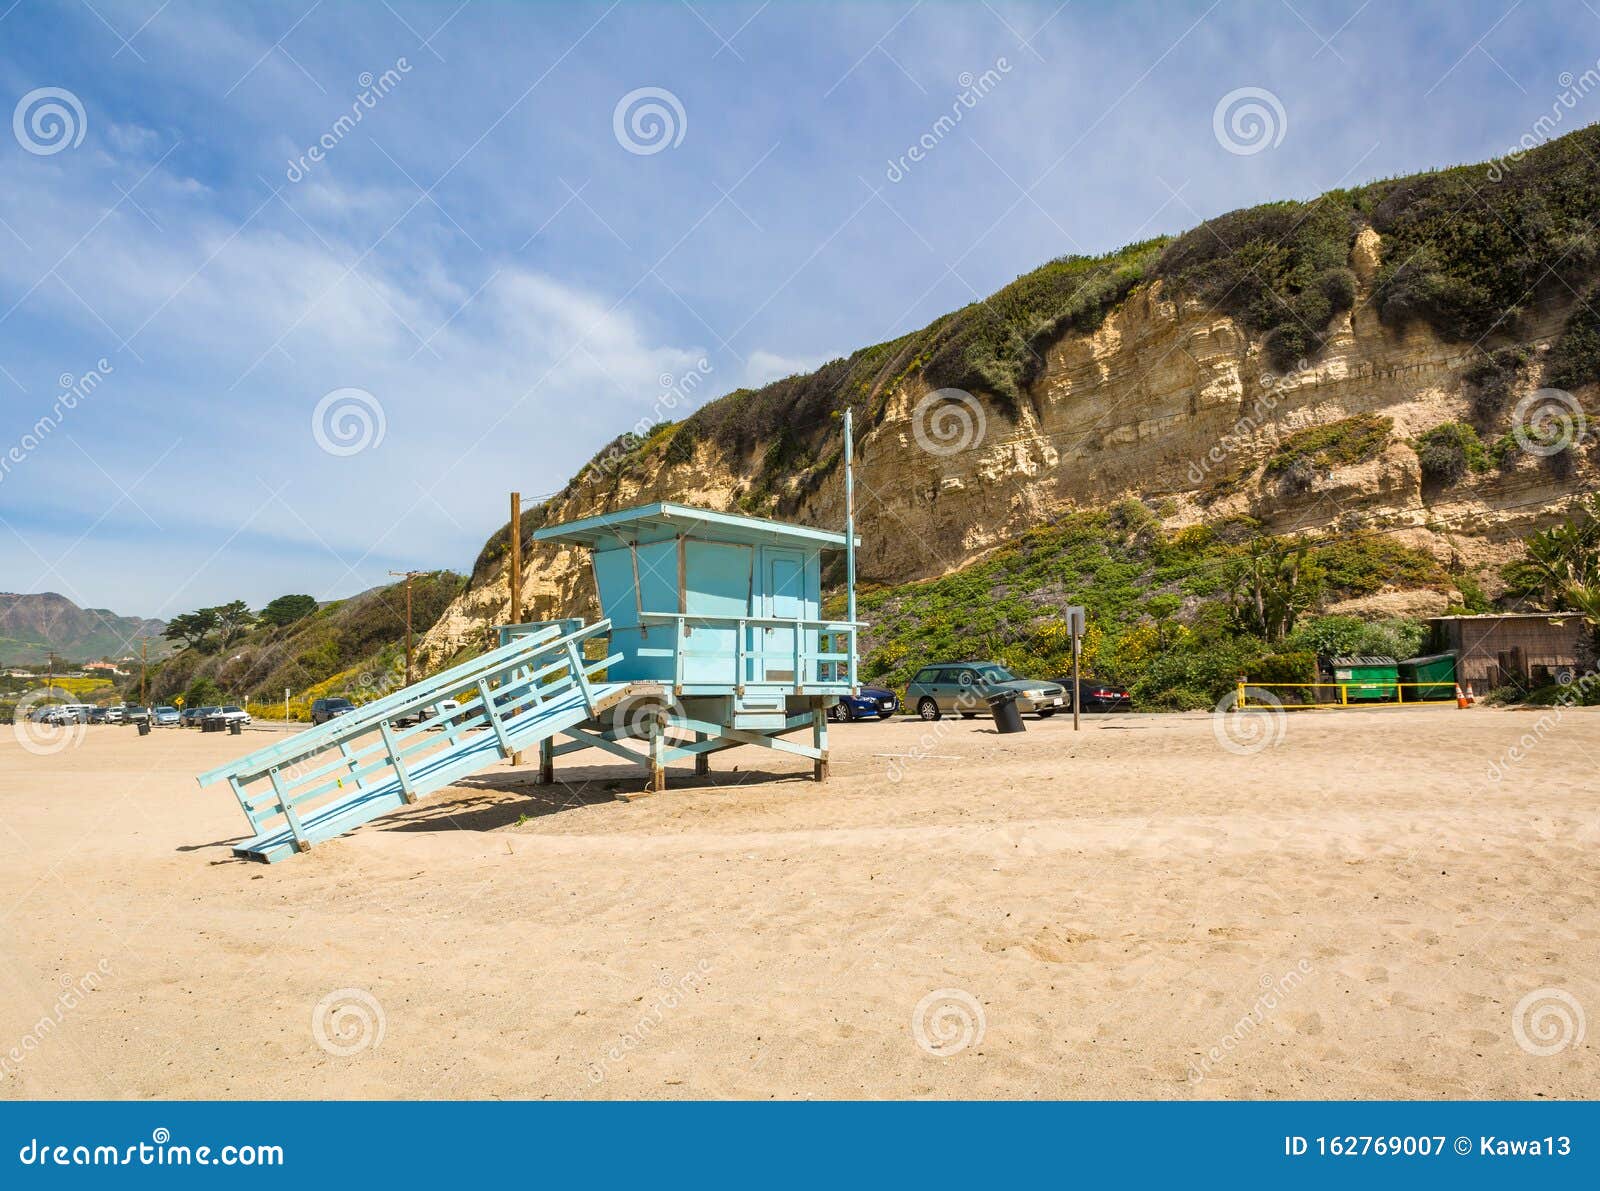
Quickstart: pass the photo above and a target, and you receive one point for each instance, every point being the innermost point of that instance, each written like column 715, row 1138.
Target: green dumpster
column 1434, row 675
column 1366, row 679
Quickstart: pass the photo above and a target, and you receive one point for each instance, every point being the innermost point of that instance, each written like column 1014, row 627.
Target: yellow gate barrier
column 1344, row 694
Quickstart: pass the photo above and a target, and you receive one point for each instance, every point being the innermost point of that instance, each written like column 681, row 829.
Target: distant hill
column 353, row 647
column 33, row 626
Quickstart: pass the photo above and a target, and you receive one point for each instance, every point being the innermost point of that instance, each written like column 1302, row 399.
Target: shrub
column 1449, row 451
column 1281, row 270
column 1363, row 563
column 1575, row 358
column 1297, row 666
column 1466, row 248
column 1300, row 457
column 1491, row 379
column 996, row 346
column 287, row 609
column 1342, row 636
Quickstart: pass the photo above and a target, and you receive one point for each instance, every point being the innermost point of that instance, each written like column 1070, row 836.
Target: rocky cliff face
column 1169, row 402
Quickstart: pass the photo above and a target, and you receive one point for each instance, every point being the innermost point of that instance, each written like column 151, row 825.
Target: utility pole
column 408, row 576
column 144, row 665
column 516, row 559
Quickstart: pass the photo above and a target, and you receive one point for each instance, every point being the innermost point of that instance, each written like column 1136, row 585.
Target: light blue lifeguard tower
column 711, row 636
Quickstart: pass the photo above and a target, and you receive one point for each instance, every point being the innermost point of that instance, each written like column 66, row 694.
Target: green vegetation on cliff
column 1164, row 614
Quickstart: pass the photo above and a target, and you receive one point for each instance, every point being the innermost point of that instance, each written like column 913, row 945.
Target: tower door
column 785, row 600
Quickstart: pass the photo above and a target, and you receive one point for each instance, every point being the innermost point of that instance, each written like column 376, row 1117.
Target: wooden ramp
column 323, row 782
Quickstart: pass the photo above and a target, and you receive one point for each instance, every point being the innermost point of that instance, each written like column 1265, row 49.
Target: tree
column 203, row 692
column 1560, row 561
column 233, row 620
column 1561, row 569
column 190, row 629
column 287, row 609
column 1272, row 585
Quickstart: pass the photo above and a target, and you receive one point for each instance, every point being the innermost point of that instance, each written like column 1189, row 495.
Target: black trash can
column 235, row 727
column 211, row 724
column 1003, row 706
column 144, row 727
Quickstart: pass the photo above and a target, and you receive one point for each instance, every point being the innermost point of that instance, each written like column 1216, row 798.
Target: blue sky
column 504, row 281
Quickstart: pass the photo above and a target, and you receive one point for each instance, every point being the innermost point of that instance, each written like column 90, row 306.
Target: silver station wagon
column 964, row 688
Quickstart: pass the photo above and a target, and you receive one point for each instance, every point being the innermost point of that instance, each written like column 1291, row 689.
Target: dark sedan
column 873, row 703
column 1098, row 694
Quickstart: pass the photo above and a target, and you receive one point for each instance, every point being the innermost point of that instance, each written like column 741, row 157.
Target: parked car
column 231, row 712
column 442, row 711
column 191, row 716
column 165, row 716
column 1098, row 694
column 99, row 716
column 324, row 710
column 873, row 703
column 964, row 688
column 66, row 713
column 446, row 711
column 133, row 713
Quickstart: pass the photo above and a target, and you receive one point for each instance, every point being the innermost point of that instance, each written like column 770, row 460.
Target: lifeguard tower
column 711, row 637
column 716, row 622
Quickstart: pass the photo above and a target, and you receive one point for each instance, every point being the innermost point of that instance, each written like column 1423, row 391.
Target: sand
column 1134, row 911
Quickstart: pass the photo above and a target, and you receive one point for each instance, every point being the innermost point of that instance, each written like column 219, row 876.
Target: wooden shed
column 1511, row 648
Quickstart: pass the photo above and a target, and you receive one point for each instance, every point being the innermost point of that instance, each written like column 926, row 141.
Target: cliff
column 1308, row 365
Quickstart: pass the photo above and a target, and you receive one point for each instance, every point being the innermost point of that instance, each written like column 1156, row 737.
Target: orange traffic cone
column 1471, row 698
column 1461, row 698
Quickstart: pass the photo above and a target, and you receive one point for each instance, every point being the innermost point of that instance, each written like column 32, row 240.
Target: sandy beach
column 1359, row 910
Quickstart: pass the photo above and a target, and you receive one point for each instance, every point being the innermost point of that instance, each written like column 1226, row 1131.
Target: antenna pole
column 850, row 537
column 515, row 565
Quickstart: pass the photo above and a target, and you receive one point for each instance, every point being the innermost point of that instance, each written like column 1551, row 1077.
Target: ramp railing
column 365, row 757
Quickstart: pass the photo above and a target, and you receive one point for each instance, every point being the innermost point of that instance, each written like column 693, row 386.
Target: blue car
column 873, row 703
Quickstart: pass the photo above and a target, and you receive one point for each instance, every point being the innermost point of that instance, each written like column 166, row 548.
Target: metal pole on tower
column 516, row 578
column 850, row 538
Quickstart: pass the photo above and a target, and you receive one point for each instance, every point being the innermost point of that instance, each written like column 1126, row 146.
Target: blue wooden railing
column 814, row 669
column 321, row 782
